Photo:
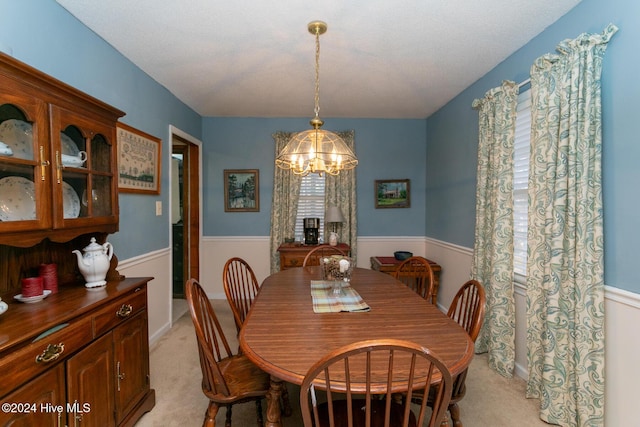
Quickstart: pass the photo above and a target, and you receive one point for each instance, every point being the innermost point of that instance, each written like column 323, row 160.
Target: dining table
column 285, row 332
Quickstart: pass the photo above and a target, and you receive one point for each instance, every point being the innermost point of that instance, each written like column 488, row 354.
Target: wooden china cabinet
column 78, row 356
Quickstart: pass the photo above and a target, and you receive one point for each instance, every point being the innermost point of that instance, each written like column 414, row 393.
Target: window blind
column 521, row 182
column 311, row 203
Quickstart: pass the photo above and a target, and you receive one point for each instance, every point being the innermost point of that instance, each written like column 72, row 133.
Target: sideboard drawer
column 291, row 261
column 292, row 255
column 119, row 311
column 44, row 351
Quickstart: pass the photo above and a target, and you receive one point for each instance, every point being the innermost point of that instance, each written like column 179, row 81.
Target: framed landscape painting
column 241, row 190
column 392, row 193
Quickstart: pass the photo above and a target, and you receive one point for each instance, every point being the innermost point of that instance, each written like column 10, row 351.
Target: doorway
column 185, row 213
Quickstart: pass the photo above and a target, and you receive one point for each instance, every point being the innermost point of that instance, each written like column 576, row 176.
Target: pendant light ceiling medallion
column 316, row 150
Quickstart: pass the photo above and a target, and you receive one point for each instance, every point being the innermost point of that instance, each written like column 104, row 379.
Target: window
column 521, row 184
column 311, row 203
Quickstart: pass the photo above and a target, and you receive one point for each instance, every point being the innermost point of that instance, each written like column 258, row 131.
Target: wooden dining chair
column 416, row 273
column 468, row 306
column 320, row 251
column 227, row 379
column 467, row 309
column 364, row 376
column 241, row 288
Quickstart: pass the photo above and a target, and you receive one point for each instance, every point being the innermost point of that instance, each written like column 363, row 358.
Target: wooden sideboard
column 292, row 254
column 388, row 264
column 78, row 357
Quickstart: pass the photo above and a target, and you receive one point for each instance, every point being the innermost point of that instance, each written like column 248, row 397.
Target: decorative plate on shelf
column 3, row 307
column 18, row 135
column 5, row 150
column 70, row 201
column 17, row 199
column 68, row 146
column 31, row 300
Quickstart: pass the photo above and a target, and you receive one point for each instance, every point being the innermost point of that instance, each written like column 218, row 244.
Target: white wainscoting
column 622, row 307
column 215, row 251
column 456, row 269
column 155, row 264
column 622, row 348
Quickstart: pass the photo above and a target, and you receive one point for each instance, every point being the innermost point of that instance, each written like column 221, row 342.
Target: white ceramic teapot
column 74, row 161
column 95, row 262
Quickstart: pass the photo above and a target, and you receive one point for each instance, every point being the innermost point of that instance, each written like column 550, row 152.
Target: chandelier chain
column 317, row 95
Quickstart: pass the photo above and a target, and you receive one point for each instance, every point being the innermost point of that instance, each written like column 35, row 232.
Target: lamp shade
column 333, row 214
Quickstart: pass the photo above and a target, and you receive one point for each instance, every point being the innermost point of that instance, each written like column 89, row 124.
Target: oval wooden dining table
column 284, row 336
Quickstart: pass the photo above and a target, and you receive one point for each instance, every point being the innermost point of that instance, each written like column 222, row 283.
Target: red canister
column 49, row 274
column 31, row 287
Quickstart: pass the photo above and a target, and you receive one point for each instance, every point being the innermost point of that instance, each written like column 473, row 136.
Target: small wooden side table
column 292, row 254
column 388, row 264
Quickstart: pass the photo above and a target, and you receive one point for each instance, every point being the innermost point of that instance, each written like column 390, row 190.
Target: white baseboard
column 153, row 338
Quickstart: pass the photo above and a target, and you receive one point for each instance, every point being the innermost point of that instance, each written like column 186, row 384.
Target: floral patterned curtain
column 492, row 263
column 340, row 190
column 565, row 268
column 284, row 205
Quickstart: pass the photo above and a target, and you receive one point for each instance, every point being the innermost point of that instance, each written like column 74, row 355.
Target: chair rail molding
column 631, row 299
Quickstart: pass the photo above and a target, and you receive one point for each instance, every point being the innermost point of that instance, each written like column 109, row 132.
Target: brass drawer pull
column 124, row 311
column 51, row 353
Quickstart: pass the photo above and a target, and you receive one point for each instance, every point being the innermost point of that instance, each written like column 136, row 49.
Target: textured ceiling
column 378, row 59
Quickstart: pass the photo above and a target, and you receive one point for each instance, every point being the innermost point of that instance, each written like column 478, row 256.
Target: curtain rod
column 524, row 83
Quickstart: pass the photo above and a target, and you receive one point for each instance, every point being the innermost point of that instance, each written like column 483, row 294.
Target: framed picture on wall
column 138, row 161
column 392, row 193
column 241, row 190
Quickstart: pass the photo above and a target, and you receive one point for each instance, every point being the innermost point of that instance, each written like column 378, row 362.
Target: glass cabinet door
column 84, row 170
column 24, row 164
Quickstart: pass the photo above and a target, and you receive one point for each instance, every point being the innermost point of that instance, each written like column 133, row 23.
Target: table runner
column 324, row 301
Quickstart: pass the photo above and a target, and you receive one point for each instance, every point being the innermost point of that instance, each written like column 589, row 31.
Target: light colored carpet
column 491, row 399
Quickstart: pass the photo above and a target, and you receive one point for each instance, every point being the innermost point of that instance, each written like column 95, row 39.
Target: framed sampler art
column 139, row 161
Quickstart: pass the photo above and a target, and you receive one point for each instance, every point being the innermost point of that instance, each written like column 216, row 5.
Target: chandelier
column 316, row 150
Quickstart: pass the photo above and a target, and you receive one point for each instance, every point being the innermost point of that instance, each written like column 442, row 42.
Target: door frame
column 192, row 205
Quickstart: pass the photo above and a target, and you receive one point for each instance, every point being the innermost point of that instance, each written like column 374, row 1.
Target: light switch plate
column 158, row 208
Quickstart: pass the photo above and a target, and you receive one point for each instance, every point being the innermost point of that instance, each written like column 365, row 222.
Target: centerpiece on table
column 337, row 269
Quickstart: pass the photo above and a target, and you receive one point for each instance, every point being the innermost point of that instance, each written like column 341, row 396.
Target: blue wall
column 386, row 149
column 44, row 35
column 452, row 137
